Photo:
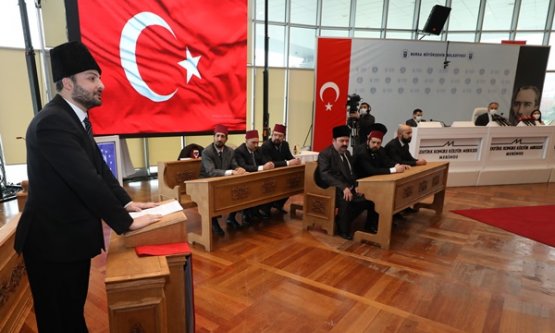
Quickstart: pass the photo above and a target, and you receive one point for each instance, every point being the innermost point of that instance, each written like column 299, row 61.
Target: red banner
column 168, row 66
column 332, row 86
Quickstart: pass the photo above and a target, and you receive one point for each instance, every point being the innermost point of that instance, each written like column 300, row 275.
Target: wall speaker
column 436, row 20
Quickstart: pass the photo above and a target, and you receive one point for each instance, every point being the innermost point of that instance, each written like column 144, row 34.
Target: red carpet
column 534, row 222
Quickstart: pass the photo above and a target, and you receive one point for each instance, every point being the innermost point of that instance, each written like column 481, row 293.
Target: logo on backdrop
column 518, row 148
column 461, row 149
column 335, row 88
column 127, row 50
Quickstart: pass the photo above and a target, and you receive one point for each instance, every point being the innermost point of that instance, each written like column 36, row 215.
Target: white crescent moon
column 127, row 47
column 331, row 85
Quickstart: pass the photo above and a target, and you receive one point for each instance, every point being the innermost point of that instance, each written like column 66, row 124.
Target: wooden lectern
column 153, row 293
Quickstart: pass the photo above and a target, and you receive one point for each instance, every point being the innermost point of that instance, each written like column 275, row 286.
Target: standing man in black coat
column 371, row 159
column 276, row 149
column 71, row 189
column 335, row 168
column 250, row 158
column 398, row 148
column 365, row 122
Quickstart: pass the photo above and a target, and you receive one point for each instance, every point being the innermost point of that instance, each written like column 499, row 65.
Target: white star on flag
column 190, row 64
column 328, row 106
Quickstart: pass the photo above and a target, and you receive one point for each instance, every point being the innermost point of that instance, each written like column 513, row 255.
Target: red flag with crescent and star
column 332, row 86
column 168, row 66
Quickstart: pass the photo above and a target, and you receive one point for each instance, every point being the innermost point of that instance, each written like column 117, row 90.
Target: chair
column 459, row 123
column 319, row 202
column 187, row 151
column 477, row 112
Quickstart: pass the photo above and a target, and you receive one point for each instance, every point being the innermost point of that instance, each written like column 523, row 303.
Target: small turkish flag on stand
column 168, row 66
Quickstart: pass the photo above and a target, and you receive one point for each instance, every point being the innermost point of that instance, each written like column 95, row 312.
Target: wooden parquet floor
column 442, row 274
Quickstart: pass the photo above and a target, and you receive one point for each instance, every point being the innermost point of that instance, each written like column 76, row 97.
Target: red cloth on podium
column 162, row 249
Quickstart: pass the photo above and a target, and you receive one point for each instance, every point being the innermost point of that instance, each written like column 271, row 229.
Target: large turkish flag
column 168, row 66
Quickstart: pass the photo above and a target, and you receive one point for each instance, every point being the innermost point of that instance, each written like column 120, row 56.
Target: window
column 276, row 48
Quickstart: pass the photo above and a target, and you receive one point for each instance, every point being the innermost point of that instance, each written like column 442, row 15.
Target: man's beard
column 85, row 98
column 406, row 140
column 219, row 144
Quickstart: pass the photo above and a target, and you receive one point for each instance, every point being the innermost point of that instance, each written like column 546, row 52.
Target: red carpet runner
column 534, row 222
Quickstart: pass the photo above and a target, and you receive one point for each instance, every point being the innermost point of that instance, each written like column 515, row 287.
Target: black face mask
column 406, row 140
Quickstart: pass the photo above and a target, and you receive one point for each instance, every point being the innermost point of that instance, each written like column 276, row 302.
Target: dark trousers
column 349, row 210
column 59, row 293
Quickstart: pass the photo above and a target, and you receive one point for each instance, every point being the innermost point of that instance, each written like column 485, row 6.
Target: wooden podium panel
column 148, row 294
column 135, row 290
column 220, row 195
column 395, row 192
column 170, row 229
column 15, row 293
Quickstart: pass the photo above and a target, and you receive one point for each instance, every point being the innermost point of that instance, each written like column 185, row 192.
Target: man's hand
column 143, row 221
column 239, row 171
column 268, row 166
column 138, row 206
column 347, row 194
column 399, row 168
column 421, row 161
column 295, row 161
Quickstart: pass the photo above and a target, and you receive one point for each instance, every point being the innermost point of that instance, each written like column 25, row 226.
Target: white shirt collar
column 80, row 113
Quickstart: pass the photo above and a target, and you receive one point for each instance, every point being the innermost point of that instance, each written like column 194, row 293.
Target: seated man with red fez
column 371, row 159
column 219, row 160
column 335, row 169
column 250, row 158
column 277, row 150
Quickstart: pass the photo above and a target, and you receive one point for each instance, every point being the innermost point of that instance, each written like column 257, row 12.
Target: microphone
column 20, row 138
column 500, row 119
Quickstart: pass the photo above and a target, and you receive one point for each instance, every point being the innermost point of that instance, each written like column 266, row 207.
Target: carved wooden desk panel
column 145, row 294
column 393, row 193
column 220, row 195
column 15, row 294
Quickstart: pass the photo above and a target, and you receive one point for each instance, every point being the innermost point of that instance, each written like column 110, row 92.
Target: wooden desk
column 220, row 195
column 171, row 178
column 148, row 294
column 15, row 294
column 393, row 193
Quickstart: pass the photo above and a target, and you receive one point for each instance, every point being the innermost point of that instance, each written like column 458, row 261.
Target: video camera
column 352, row 102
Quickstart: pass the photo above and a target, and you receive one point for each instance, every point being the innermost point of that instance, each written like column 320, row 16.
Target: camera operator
column 366, row 120
column 353, row 118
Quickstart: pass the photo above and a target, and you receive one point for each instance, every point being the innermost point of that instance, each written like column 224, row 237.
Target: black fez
column 377, row 130
column 71, row 58
column 340, row 131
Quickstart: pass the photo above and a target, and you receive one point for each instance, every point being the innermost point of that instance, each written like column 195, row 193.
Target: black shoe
column 216, row 228
column 232, row 224
column 373, row 229
column 346, row 236
column 247, row 221
column 265, row 214
column 410, row 210
column 281, row 210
